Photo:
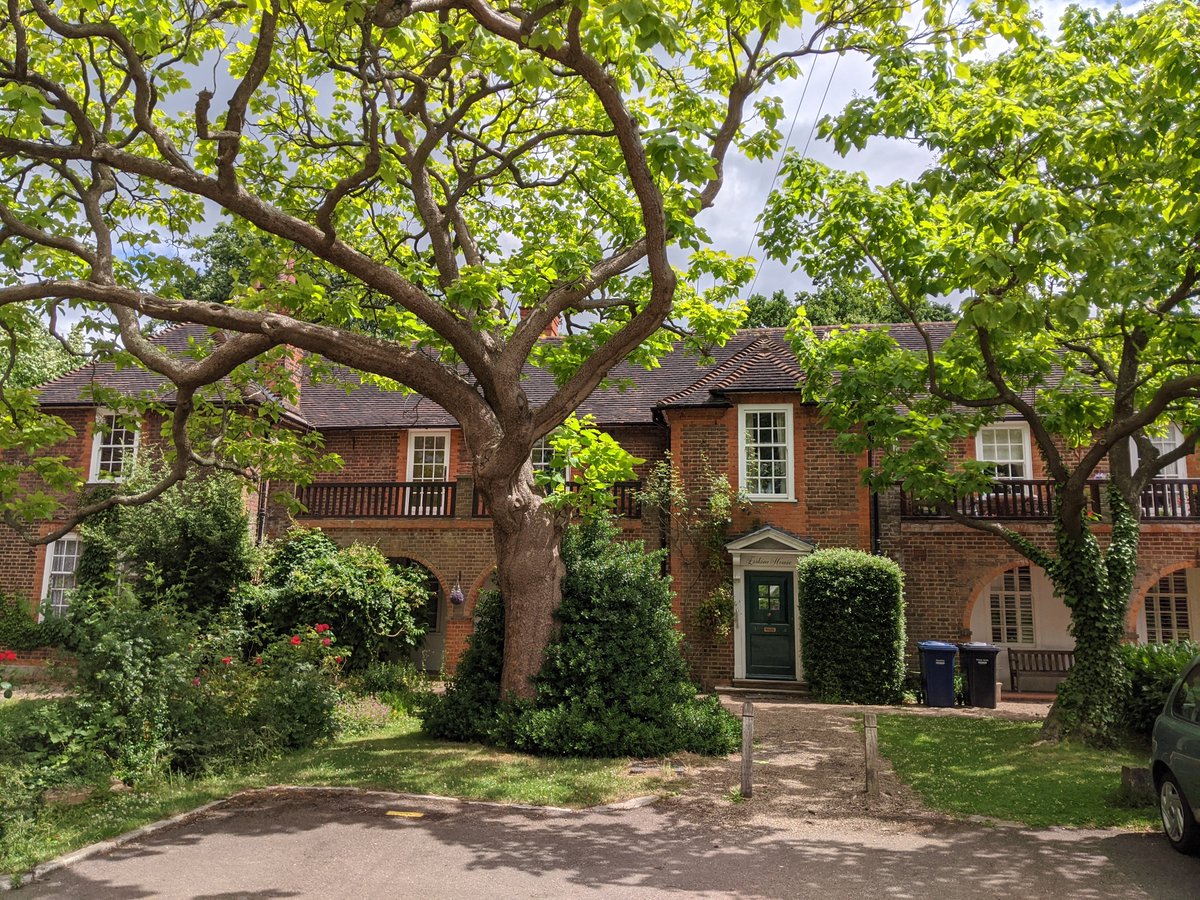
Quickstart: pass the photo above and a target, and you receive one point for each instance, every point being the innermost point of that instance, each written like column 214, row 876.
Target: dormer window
column 114, row 446
column 1006, row 449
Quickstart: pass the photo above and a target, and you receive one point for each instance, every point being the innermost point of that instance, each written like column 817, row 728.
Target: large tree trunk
column 1095, row 586
column 529, row 569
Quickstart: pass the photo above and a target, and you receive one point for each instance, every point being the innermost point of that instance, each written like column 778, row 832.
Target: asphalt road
column 274, row 845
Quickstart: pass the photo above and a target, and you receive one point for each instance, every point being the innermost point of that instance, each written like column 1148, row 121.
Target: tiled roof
column 763, row 363
column 74, row 387
column 754, row 360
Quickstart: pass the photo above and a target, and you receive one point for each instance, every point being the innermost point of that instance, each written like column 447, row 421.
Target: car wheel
column 1179, row 824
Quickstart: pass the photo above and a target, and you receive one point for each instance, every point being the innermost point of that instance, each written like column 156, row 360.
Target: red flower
column 227, row 660
column 295, row 638
column 8, row 656
column 321, row 628
column 258, row 660
column 326, row 641
column 337, row 659
column 196, row 682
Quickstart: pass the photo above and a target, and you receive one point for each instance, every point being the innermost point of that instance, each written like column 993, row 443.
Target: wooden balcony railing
column 1172, row 498
column 378, row 500
column 1165, row 499
column 625, row 494
column 1007, row 499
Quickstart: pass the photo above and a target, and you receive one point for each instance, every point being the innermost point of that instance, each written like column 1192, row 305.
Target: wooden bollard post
column 871, row 748
column 747, row 748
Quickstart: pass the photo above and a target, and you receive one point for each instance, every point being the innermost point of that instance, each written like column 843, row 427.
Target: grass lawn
column 397, row 758
column 994, row 767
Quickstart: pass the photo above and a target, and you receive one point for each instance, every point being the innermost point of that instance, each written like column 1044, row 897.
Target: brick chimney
column 551, row 330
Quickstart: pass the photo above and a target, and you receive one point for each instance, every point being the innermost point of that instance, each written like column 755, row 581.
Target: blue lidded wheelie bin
column 937, row 672
column 979, row 667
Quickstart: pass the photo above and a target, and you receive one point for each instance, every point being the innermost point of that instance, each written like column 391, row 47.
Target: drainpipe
column 876, row 538
column 264, row 487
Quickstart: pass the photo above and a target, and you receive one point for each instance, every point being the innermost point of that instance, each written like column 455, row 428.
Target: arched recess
column 429, row 653
column 1015, row 607
column 981, row 589
column 1166, row 605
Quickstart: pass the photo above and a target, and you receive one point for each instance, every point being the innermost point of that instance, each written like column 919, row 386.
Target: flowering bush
column 157, row 693
column 352, row 591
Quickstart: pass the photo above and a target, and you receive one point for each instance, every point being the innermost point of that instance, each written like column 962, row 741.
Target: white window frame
column 1169, row 441
column 1026, row 447
column 95, row 476
column 1015, row 598
column 414, row 433
column 543, row 443
column 789, row 446
column 48, row 572
column 1175, row 612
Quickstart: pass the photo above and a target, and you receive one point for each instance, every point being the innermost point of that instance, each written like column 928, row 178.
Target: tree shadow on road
column 458, row 848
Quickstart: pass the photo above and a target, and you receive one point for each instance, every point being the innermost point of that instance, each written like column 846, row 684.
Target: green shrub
column 297, row 706
column 852, row 626
column 155, row 693
column 370, row 603
column 613, row 682
column 191, row 545
column 135, row 667
column 1153, row 669
column 18, row 627
column 468, row 710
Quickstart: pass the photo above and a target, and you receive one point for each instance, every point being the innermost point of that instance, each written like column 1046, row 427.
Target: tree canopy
column 1065, row 205
column 839, row 301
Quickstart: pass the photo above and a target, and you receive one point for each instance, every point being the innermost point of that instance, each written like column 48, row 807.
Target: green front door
column 770, row 642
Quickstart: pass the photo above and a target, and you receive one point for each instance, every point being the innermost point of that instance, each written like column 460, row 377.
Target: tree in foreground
column 412, row 175
column 1064, row 205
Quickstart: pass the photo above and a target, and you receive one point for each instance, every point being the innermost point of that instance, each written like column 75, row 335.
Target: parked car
column 1175, row 761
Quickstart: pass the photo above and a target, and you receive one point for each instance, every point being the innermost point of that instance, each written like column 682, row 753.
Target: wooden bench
column 1039, row 663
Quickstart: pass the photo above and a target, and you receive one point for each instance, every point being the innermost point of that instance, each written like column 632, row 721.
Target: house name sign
column 785, row 558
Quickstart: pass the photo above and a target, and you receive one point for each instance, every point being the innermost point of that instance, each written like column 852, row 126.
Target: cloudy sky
column 731, row 222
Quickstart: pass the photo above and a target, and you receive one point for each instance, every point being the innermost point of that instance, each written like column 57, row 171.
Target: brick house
column 406, row 487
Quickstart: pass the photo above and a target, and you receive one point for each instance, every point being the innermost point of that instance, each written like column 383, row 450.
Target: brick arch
column 477, row 588
column 428, row 567
column 984, row 583
column 1140, row 590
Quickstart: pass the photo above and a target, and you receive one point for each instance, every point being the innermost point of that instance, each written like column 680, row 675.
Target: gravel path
column 809, row 768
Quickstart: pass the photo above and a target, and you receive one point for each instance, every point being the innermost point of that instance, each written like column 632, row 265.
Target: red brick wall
column 831, row 509
column 367, row 455
column 948, row 567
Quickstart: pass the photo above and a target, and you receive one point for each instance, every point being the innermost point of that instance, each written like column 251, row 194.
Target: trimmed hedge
column 1153, row 669
column 20, row 630
column 852, row 626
